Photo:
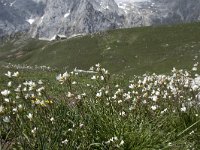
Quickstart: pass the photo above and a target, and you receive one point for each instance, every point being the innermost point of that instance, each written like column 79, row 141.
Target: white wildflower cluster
column 63, row 77
column 101, row 74
column 67, row 78
column 10, row 74
column 27, row 67
column 115, row 142
column 24, row 101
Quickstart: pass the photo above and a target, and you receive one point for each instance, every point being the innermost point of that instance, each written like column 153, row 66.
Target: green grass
column 130, row 51
column 103, row 111
column 111, row 121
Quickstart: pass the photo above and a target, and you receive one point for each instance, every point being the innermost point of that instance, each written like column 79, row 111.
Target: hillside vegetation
column 61, row 108
column 136, row 50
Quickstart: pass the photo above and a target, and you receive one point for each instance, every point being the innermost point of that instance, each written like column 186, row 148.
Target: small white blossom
column 94, row 78
column 122, row 113
column 121, row 143
column 119, row 101
column 5, row 92
column 65, row 141
column 40, row 82
column 194, row 69
column 69, row 94
column 15, row 74
column 52, row 119
column 99, row 94
column 9, row 84
column 7, row 100
column 81, row 125
column 14, row 109
column 6, row 119
column 1, row 109
column 74, row 82
column 9, row 74
column 102, row 78
column 131, row 86
column 33, row 130
column 30, row 116
column 154, row 98
column 154, row 107
column 183, row 109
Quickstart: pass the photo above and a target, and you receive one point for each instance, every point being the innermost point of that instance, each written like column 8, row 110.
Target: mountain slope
column 45, row 19
column 153, row 49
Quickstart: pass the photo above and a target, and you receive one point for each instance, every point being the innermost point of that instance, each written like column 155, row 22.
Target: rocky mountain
column 46, row 18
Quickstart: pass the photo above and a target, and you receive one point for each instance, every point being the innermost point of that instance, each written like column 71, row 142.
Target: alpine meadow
column 117, row 75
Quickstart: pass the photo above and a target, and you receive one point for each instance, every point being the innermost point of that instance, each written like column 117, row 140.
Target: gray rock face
column 46, row 18
column 77, row 17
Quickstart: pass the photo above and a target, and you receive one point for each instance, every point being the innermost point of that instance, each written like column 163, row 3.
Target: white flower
column 115, row 138
column 59, row 77
column 84, row 94
column 18, row 88
column 119, row 101
column 5, row 92
column 70, row 130
column 194, row 69
column 17, row 97
column 6, row 119
column 32, row 84
column 74, row 82
column 9, row 74
column 40, row 89
column 33, row 130
column 94, row 78
column 144, row 101
column 79, row 97
column 154, row 98
column 102, row 78
column 195, row 87
column 117, row 86
column 154, row 107
column 9, row 84
column 183, row 109
column 157, row 93
column 162, row 112
column 122, row 113
column 15, row 74
column 131, row 86
column 106, row 92
column 30, row 116
column 121, row 143
column 15, row 109
column 114, row 97
column 1, row 109
column 98, row 65
column 81, row 125
column 65, row 141
column 52, row 119
column 69, row 94
column 40, row 82
column 99, row 94
column 91, row 69
column 65, row 75
column 7, row 100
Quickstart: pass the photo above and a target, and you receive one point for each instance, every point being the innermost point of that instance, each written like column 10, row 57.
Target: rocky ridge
column 46, row 18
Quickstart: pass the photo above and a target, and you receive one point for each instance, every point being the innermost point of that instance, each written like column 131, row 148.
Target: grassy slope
column 137, row 50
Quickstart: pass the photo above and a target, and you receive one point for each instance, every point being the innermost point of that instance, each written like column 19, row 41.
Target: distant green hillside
column 136, row 50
